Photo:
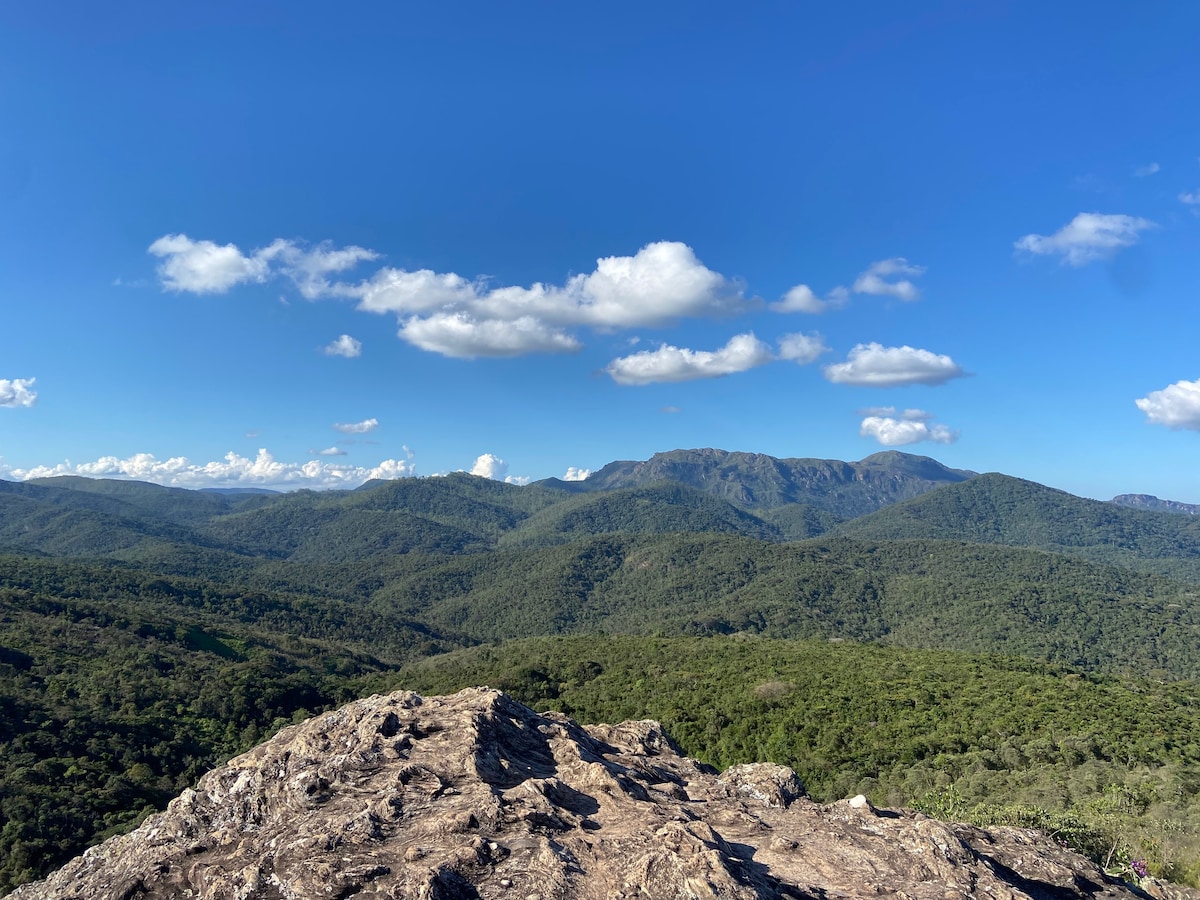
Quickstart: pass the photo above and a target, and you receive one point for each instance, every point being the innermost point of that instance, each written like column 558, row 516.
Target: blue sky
column 301, row 245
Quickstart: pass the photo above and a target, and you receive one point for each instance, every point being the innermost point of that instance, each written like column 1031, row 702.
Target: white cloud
column 574, row 474
column 463, row 336
column 802, row 299
column 662, row 282
column 401, row 292
column 799, row 299
column 1148, row 169
column 203, row 267
column 801, row 348
column 345, row 346
column 17, row 392
column 670, row 410
column 308, row 268
column 455, row 316
column 881, row 278
column 1087, row 238
column 232, row 471
column 363, row 427
column 910, row 415
column 488, row 465
column 668, row 363
column 331, row 451
column 1176, row 406
column 910, row 427
column 1191, row 198
column 877, row 366
column 451, row 315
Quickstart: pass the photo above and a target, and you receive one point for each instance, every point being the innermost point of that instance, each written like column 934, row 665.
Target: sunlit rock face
column 477, row 796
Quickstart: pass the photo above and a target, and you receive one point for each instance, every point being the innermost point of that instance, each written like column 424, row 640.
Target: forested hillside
column 1000, row 509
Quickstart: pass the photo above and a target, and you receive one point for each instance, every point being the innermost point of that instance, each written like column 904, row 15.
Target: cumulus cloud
column 886, row 278
column 801, row 298
column 331, row 451
column 663, row 281
column 205, row 267
column 446, row 313
column 462, row 335
column 1148, row 169
column 233, row 471
column 1191, row 198
column 1086, row 238
column 309, row 269
column 801, row 348
column 669, row 364
column 343, row 345
column 1176, row 406
column 17, row 392
column 488, row 465
column 911, row 426
column 874, row 365
column 363, row 427
column 574, row 474
column 449, row 314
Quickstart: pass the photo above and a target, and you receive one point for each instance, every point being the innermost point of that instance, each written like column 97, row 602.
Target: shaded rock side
column 476, row 796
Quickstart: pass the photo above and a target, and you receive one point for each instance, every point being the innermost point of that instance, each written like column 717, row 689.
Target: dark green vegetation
column 118, row 689
column 994, row 738
column 146, row 633
column 998, row 509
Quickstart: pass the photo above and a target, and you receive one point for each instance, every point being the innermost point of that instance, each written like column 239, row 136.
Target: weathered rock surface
column 474, row 795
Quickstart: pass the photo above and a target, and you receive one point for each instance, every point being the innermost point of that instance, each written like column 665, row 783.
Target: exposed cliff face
column 475, row 795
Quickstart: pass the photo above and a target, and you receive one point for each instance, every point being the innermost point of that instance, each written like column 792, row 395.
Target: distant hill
column 1147, row 501
column 1000, row 509
column 178, row 505
column 756, row 481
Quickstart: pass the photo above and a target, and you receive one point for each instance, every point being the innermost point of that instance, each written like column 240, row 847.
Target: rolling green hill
column 1004, row 510
column 931, row 594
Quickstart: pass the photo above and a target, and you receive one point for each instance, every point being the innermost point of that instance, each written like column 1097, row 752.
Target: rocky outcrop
column 476, row 796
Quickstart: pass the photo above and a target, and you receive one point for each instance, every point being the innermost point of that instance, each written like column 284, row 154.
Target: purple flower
column 1139, row 868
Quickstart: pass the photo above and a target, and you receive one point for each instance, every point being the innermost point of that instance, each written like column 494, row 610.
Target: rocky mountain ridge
column 476, row 796
column 1150, row 502
column 758, row 481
